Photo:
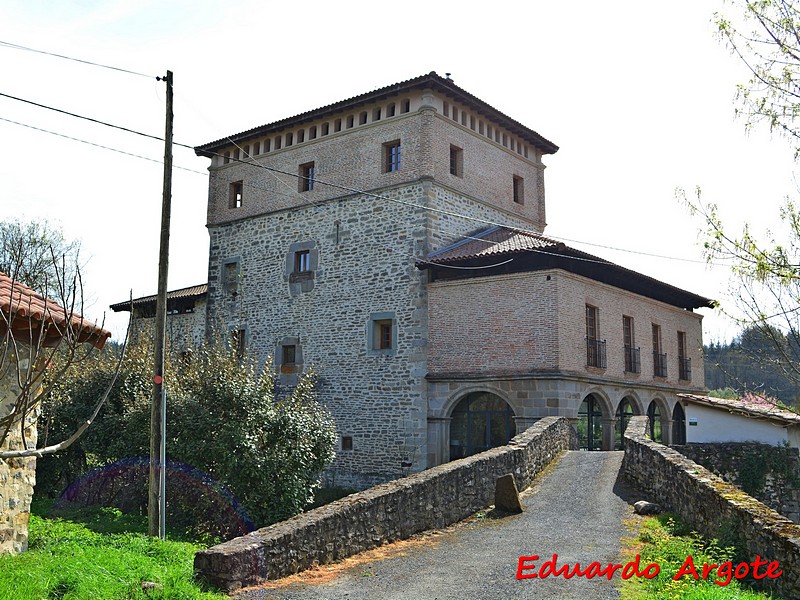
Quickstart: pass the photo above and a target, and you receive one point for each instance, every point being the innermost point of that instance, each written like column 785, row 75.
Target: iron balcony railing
column 659, row 364
column 685, row 368
column 632, row 362
column 596, row 353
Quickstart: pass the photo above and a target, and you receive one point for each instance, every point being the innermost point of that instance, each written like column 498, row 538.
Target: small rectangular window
column 362, row 118
column 302, row 261
column 390, row 109
column 376, row 114
column 266, row 145
column 312, row 132
column 230, row 274
column 325, row 129
column 383, row 335
column 306, row 177
column 256, row 148
column 405, row 106
column 350, row 121
column 289, row 353
column 236, row 194
column 463, row 117
column 456, row 161
column 246, row 150
column 278, row 143
column 480, row 127
column 391, row 156
column 227, row 157
column 238, row 342
column 446, row 109
column 472, row 122
column 301, row 136
column 347, row 443
column 454, row 114
column 289, row 139
column 337, row 125
column 235, row 154
column 519, row 189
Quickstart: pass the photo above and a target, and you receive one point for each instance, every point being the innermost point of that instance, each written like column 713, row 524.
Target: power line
column 79, row 60
column 74, row 139
column 254, row 163
column 85, row 118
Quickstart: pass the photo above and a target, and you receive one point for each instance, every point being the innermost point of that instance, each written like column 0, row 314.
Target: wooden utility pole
column 158, row 407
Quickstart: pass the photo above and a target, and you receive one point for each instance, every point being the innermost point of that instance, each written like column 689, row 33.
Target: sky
column 639, row 96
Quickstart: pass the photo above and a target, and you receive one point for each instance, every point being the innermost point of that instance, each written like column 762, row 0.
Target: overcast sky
column 638, row 95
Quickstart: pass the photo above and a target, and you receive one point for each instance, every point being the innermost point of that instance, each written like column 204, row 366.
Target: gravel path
column 576, row 512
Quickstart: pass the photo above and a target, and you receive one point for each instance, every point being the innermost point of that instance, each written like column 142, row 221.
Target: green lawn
column 662, row 541
column 99, row 555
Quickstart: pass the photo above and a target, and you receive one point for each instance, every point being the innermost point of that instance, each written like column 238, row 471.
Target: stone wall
column 386, row 513
column 17, row 475
column 714, row 508
column 770, row 474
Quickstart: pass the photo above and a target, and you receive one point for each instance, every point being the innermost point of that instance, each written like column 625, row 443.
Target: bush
column 222, row 419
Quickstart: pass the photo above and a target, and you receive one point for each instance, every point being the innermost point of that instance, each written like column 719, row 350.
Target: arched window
column 480, row 421
column 678, row 424
column 590, row 424
column 624, row 413
column 654, row 414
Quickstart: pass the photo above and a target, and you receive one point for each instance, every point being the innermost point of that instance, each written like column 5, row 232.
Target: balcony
column 596, row 353
column 632, row 362
column 685, row 368
column 659, row 364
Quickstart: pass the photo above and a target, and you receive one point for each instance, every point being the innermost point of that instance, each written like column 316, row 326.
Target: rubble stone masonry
column 17, row 476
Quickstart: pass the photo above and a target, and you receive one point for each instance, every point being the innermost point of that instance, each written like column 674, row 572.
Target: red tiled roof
column 430, row 80
column 26, row 311
column 195, row 291
column 749, row 406
column 493, row 242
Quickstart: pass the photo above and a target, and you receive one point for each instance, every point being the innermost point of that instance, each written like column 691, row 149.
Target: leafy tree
column 765, row 36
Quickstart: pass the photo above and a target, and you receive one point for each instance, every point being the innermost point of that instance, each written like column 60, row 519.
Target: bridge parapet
column 711, row 506
column 392, row 511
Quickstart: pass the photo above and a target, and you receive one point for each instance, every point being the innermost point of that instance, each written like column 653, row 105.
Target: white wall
column 715, row 425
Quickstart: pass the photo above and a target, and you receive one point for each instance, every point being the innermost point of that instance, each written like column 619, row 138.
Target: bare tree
column 41, row 338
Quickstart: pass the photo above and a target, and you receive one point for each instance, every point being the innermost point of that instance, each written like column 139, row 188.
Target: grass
column 665, row 542
column 99, row 554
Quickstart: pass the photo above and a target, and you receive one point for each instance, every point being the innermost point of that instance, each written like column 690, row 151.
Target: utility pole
column 158, row 407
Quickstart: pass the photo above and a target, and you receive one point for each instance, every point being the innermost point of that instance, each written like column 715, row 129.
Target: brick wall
column 386, row 513
column 711, row 506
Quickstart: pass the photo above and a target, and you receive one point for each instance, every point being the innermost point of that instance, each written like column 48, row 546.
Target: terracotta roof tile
column 750, row 406
column 493, row 242
column 20, row 302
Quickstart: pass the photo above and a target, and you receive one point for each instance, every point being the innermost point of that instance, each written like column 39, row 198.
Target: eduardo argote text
column 529, row 567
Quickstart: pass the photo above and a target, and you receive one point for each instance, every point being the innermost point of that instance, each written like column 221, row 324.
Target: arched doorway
column 625, row 411
column 480, row 421
column 590, row 424
column 654, row 414
column 678, row 424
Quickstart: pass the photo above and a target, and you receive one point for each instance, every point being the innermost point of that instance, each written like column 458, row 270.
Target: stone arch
column 479, row 420
column 658, row 414
column 458, row 395
column 678, row 424
column 628, row 406
column 592, row 422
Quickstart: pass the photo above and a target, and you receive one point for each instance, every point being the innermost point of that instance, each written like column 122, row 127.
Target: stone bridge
column 448, row 493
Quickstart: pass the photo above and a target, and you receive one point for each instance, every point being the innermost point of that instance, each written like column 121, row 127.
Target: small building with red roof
column 31, row 328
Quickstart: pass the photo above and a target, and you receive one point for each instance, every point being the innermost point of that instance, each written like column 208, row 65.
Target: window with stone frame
column 382, row 334
column 302, row 261
column 230, row 276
